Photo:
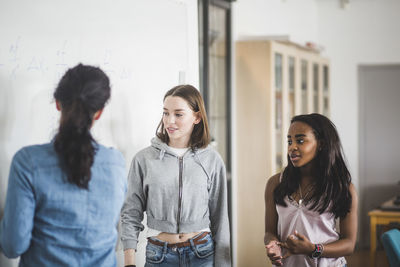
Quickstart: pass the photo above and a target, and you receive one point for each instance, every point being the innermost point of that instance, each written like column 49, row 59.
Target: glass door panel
column 278, row 108
column 291, row 86
column 217, row 94
column 325, row 109
column 304, row 86
column 315, row 87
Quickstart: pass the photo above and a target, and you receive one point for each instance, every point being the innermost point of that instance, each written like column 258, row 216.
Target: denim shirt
column 49, row 221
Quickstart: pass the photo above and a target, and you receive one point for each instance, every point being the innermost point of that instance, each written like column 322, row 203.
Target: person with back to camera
column 303, row 202
column 64, row 197
column 180, row 182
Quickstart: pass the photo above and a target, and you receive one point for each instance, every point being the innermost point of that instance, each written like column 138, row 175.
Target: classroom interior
column 256, row 62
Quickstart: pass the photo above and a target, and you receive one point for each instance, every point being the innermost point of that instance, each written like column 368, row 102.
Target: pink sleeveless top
column 318, row 228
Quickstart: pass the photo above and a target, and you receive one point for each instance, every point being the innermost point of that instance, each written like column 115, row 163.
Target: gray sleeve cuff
column 130, row 243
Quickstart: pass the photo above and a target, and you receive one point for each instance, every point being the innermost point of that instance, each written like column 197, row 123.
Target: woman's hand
column 274, row 252
column 298, row 244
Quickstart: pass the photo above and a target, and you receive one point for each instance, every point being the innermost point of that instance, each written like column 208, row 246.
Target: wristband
column 317, row 253
column 131, row 265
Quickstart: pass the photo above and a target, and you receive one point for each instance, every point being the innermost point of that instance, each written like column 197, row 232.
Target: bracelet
column 317, row 253
column 131, row 265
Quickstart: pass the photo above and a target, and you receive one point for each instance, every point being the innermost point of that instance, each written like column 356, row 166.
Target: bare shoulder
column 353, row 191
column 352, row 188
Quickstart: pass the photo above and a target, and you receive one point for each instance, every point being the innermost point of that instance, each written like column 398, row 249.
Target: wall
column 143, row 45
column 294, row 18
column 257, row 19
column 379, row 164
column 364, row 33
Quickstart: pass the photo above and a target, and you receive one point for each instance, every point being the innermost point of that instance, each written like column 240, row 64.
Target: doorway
column 379, row 140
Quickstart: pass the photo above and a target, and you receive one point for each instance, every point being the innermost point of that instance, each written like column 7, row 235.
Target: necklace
column 301, row 200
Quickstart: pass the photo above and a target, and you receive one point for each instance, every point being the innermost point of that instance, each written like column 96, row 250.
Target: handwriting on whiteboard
column 16, row 60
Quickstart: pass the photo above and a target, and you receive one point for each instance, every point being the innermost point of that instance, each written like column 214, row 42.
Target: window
column 215, row 72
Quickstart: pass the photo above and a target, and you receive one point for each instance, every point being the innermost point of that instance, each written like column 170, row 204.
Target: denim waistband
column 196, row 240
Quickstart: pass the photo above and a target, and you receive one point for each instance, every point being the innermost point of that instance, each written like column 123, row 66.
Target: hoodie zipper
column 180, row 192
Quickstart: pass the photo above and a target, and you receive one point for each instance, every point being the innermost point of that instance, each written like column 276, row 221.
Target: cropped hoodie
column 179, row 195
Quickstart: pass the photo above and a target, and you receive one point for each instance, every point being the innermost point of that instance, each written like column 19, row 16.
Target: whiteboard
column 143, row 46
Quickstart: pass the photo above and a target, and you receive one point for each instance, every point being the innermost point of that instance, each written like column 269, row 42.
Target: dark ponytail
column 81, row 92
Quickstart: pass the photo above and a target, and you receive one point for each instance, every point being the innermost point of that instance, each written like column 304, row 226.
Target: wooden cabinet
column 274, row 81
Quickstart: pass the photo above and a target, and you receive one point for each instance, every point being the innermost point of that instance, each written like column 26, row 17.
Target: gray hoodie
column 179, row 195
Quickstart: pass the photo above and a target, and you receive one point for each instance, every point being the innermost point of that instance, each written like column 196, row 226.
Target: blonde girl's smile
column 171, row 130
column 179, row 120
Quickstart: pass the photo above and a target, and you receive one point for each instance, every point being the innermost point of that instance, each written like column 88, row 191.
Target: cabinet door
column 290, row 95
column 325, row 92
column 304, row 86
column 315, row 91
column 291, row 83
column 278, row 108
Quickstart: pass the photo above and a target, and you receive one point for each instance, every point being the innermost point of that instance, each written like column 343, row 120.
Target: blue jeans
column 201, row 255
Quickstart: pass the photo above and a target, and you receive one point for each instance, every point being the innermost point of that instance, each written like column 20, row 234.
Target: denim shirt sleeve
column 17, row 223
column 218, row 206
column 133, row 208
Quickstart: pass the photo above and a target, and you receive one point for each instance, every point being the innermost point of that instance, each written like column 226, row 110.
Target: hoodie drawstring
column 162, row 153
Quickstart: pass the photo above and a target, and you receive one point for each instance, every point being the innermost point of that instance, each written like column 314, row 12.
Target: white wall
column 142, row 45
column 379, row 91
column 365, row 32
column 257, row 19
column 296, row 18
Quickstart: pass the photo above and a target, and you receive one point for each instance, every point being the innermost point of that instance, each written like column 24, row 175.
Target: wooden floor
column 360, row 258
